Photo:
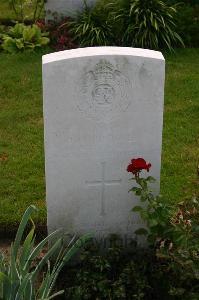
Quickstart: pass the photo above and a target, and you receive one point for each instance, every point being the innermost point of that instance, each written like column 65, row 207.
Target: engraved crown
column 103, row 71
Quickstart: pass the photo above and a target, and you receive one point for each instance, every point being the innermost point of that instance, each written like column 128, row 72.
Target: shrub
column 187, row 20
column 21, row 37
column 168, row 269
column 21, row 276
column 135, row 23
column 31, row 9
column 147, row 274
column 146, row 23
column 113, row 275
column 174, row 234
column 190, row 2
column 60, row 37
column 91, row 27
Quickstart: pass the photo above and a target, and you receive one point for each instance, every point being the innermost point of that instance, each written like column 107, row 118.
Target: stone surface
column 102, row 107
column 65, row 7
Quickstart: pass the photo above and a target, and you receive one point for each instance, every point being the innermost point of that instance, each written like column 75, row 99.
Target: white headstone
column 65, row 7
column 102, row 107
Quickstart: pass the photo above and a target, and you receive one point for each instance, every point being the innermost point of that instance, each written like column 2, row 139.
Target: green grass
column 21, row 137
column 21, row 133
column 180, row 157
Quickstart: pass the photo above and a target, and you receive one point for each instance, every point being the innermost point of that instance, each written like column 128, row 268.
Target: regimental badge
column 104, row 91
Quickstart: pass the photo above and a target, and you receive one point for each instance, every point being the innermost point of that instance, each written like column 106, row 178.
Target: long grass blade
column 21, row 228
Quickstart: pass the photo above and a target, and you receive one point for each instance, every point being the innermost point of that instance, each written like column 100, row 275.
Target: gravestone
column 103, row 106
column 65, row 7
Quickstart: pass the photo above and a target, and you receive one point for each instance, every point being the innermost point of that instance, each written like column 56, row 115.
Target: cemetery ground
column 21, row 134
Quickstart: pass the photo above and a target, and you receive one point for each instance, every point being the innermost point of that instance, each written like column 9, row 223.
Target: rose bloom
column 137, row 165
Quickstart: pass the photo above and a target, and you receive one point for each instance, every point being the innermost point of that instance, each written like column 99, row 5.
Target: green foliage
column 155, row 212
column 189, row 2
column 187, row 20
column 27, row 9
column 174, row 234
column 22, row 37
column 146, row 23
column 112, row 275
column 20, row 277
column 135, row 23
column 91, row 27
column 119, row 273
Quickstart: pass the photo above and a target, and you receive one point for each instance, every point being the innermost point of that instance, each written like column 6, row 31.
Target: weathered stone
column 102, row 107
column 65, row 7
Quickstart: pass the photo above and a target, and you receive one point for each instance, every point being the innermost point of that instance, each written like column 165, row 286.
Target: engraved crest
column 102, row 90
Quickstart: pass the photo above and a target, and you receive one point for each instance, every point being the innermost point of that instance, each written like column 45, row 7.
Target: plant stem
column 22, row 10
column 14, row 7
column 35, row 10
column 41, row 8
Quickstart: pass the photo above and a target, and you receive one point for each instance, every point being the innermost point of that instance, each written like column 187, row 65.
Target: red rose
column 138, row 165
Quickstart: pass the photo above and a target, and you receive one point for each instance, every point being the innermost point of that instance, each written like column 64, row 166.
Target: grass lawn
column 21, row 133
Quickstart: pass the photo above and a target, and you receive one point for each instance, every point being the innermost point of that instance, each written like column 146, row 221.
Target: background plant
column 27, row 9
column 112, row 275
column 21, row 276
column 146, row 23
column 59, row 33
column 173, row 233
column 187, row 20
column 21, row 37
column 91, row 27
column 121, row 273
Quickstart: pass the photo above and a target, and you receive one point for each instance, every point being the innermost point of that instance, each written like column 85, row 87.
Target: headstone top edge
column 97, row 51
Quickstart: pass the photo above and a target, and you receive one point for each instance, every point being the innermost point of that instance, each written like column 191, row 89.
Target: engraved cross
column 103, row 183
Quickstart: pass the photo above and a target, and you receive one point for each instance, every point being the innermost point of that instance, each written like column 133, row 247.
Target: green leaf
column 44, row 41
column 23, row 284
column 152, row 222
column 46, row 257
column 196, row 229
column 137, row 208
column 21, row 229
column 28, row 34
column 150, row 179
column 9, row 45
column 27, row 248
column 77, row 245
column 17, row 31
column 67, row 256
column 40, row 246
column 3, row 277
column 18, row 279
column 19, row 43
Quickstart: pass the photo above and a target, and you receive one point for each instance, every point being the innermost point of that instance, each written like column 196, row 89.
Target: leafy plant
column 146, row 23
column 174, row 234
column 27, row 9
column 107, row 276
column 91, row 27
column 187, row 20
column 60, row 37
column 21, row 276
column 155, row 212
column 22, row 37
